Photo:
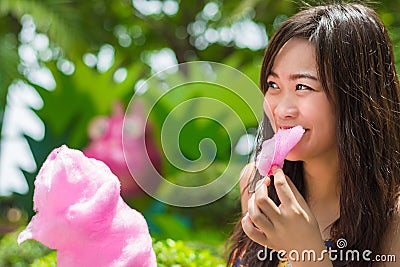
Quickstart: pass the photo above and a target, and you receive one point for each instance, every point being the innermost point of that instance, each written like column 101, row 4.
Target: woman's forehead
column 295, row 58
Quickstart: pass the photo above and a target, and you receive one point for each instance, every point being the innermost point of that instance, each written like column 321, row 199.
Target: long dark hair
column 355, row 64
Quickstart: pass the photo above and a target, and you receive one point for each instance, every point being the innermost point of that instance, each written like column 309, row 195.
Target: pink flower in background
column 275, row 150
column 105, row 135
column 81, row 214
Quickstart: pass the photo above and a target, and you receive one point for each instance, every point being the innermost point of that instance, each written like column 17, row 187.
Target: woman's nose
column 286, row 107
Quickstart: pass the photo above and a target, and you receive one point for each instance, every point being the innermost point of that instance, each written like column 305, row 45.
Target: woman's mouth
column 290, row 127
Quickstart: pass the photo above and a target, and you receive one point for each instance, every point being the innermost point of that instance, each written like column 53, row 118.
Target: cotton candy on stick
column 275, row 150
column 81, row 214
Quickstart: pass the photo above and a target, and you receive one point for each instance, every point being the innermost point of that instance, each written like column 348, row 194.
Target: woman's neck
column 321, row 181
column 323, row 190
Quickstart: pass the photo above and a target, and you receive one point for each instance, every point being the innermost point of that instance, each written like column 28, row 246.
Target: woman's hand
column 291, row 226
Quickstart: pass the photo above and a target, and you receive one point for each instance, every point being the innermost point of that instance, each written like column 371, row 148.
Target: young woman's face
column 295, row 97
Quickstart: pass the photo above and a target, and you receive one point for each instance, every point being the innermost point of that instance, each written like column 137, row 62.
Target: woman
column 331, row 70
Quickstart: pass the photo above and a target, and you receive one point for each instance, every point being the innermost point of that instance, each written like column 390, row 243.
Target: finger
column 299, row 197
column 252, row 232
column 264, row 181
column 265, row 203
column 285, row 193
column 259, row 219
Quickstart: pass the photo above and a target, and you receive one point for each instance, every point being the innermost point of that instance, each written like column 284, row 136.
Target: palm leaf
column 81, row 96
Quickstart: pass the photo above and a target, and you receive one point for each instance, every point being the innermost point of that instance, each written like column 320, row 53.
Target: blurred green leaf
column 80, row 97
column 8, row 68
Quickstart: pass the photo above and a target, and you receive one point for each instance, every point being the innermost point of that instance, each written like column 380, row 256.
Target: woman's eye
column 272, row 85
column 301, row 87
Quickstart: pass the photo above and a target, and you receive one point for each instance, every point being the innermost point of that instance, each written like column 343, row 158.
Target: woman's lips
column 290, row 127
column 286, row 127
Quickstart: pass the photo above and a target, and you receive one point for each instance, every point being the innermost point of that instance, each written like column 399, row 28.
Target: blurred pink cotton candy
column 106, row 144
column 81, row 214
column 275, row 150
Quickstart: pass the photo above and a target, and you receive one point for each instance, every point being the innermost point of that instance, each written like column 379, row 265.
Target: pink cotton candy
column 81, row 214
column 275, row 150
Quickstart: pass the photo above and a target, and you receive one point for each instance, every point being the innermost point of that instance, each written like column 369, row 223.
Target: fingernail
column 274, row 168
column 267, row 181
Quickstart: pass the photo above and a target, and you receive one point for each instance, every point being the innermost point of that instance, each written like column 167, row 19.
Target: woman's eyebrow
column 273, row 74
column 305, row 75
column 296, row 76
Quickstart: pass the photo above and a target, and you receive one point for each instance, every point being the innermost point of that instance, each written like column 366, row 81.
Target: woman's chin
column 293, row 156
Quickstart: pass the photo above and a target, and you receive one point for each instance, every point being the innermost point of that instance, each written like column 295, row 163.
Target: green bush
column 20, row 256
column 172, row 253
column 47, row 261
column 169, row 253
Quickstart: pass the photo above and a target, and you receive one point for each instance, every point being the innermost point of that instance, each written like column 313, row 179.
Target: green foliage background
column 75, row 28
